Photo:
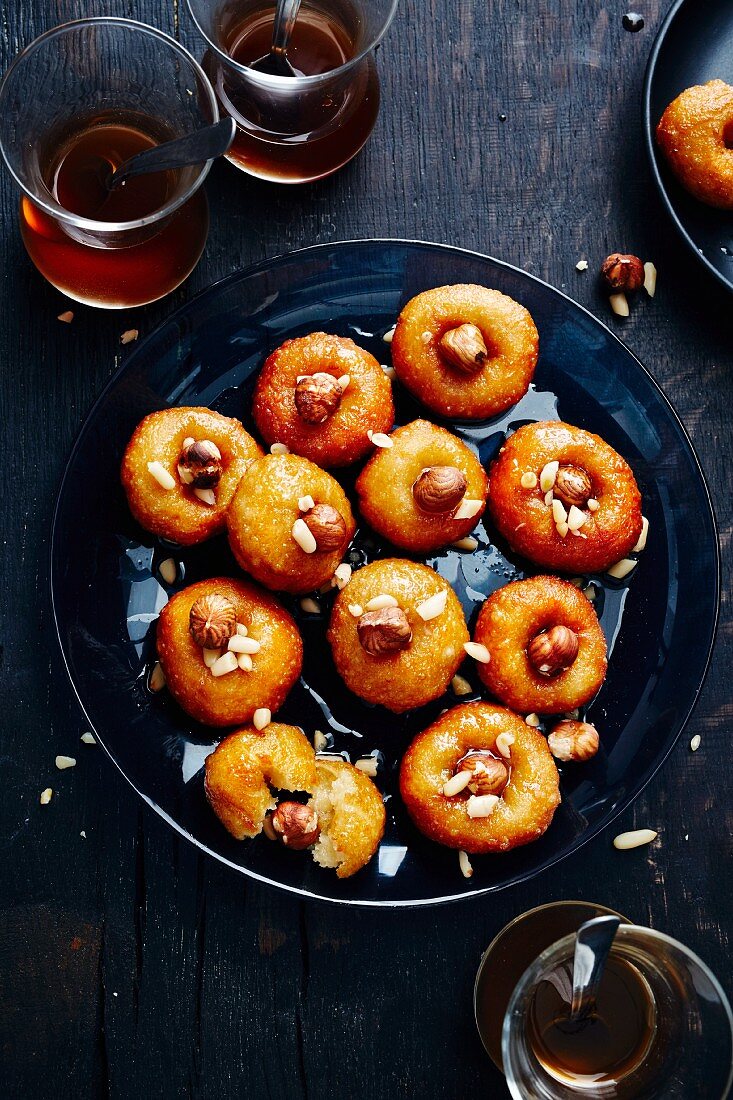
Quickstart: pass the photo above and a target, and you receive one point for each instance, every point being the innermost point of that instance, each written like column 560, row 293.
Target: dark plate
column 106, row 594
column 694, row 45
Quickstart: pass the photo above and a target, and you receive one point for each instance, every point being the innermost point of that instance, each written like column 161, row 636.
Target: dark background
column 132, row 966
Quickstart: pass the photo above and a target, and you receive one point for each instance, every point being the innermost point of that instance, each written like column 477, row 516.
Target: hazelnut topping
column 439, row 489
column 212, row 621
column 384, row 631
column 571, row 740
column 317, row 396
column 296, row 825
column 464, row 348
column 553, row 651
column 572, row 486
column 327, row 526
column 622, row 272
column 201, row 461
column 488, row 775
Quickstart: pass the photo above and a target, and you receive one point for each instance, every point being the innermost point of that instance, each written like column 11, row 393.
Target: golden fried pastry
column 465, row 351
column 547, row 649
column 695, row 134
column 480, row 779
column 351, row 816
column 244, row 767
column 289, row 523
column 320, row 395
column 180, row 470
column 563, row 498
column 227, row 650
column 426, row 490
column 397, row 633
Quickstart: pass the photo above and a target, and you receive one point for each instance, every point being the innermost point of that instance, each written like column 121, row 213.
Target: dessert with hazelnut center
column 465, row 351
column 546, row 647
column 397, row 633
column 229, row 651
column 320, row 396
column 695, row 134
column 289, row 523
column 480, row 779
column 563, row 498
column 427, row 490
column 180, row 470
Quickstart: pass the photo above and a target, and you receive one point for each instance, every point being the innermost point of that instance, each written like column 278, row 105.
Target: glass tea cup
column 74, row 104
column 671, row 1032
column 294, row 129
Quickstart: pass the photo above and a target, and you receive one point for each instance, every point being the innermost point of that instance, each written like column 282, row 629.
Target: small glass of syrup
column 77, row 103
column 294, row 129
column 661, row 1026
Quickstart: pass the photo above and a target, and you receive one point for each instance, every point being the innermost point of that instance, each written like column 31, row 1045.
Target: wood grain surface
column 131, row 966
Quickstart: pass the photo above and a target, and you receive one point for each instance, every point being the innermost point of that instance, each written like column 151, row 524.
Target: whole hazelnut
column 572, row 486
column 622, row 272
column 317, row 396
column 464, row 348
column 439, row 489
column 553, row 651
column 295, row 825
column 488, row 775
column 385, row 631
column 571, row 740
column 200, row 464
column 212, row 621
column 327, row 526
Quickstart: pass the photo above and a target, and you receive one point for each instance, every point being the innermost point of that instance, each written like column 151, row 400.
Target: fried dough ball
column 351, row 816
column 416, row 491
column 551, row 476
column 289, row 523
column 695, row 133
column 272, row 645
column 175, row 511
column 382, row 647
column 465, row 351
column 246, row 764
column 548, row 653
column 320, row 395
column 525, row 805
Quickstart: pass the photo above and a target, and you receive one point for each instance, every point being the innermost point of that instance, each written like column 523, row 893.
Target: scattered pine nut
column 379, row 439
column 368, row 764
column 695, row 743
column 593, row 504
column 582, row 265
column 244, row 662
column 641, row 544
column 225, row 664
column 559, row 512
column 390, row 372
column 548, row 476
column 309, row 605
column 157, row 678
column 206, row 496
column 356, row 610
column 320, row 741
column 211, row 656
column 432, row 607
column 342, row 575
column 389, row 334
column 478, row 651
column 650, row 278
column 634, row 839
column 185, row 475
column 63, row 762
column 168, row 570
column 469, row 543
column 481, row 805
column 528, row 480
column 533, row 720
column 343, row 382
column 461, row 685
column 456, row 783
column 303, row 535
column 590, row 593
column 378, row 602
column 88, row 739
column 465, row 864
column 129, row 335
column 279, row 449
column 468, row 508
column 161, row 475
column 503, row 744
column 562, row 529
column 46, row 796
column 239, row 644
column 576, row 518
column 242, row 630
column 622, row 568
column 261, row 718
column 268, row 829
column 67, row 317
column 306, row 503
column 619, row 304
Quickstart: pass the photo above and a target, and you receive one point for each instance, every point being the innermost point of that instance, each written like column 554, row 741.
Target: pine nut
column 356, row 610
column 368, row 764
column 469, row 543
column 261, row 718
column 343, row 382
column 342, row 575
column 461, row 685
column 503, row 744
column 576, row 518
column 211, row 656
column 528, row 480
column 465, row 864
column 456, row 784
column 304, row 537
column 306, row 503
column 593, row 504
column 622, row 568
column 379, row 439
column 168, row 570
column 468, row 508
column 309, row 605
column 63, row 762
column 619, row 304
column 548, row 476
column 157, row 678
column 279, row 449
column 378, row 602
column 206, row 496
column 46, row 796
column 478, row 651
column 533, row 720
column 634, row 839
column 481, row 805
column 161, row 475
column 695, row 743
column 389, row 334
column 650, row 278
column 559, row 513
column 641, row 544
column 432, row 607
column 244, row 662
column 242, row 630
column 88, row 738
column 225, row 664
column 320, row 741
column 238, row 644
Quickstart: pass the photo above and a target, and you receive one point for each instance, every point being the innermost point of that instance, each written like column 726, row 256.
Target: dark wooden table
column 130, row 965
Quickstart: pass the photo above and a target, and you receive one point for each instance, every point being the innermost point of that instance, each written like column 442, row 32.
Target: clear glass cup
column 73, row 104
column 687, row 1053
column 300, row 128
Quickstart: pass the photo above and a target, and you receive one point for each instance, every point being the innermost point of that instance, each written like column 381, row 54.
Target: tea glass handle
column 286, row 13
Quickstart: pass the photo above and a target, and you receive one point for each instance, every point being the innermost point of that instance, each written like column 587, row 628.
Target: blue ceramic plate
column 107, row 591
column 694, row 45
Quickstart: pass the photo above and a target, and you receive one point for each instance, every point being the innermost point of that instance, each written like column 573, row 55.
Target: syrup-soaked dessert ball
column 180, row 470
column 563, row 498
column 350, row 816
column 465, row 351
column 227, row 650
column 695, row 134
column 320, row 395
column 426, row 490
column 244, row 768
column 397, row 633
column 480, row 779
column 546, row 647
column 289, row 523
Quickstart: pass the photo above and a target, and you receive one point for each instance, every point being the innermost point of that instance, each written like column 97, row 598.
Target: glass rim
column 295, row 82
column 624, row 931
column 55, row 209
